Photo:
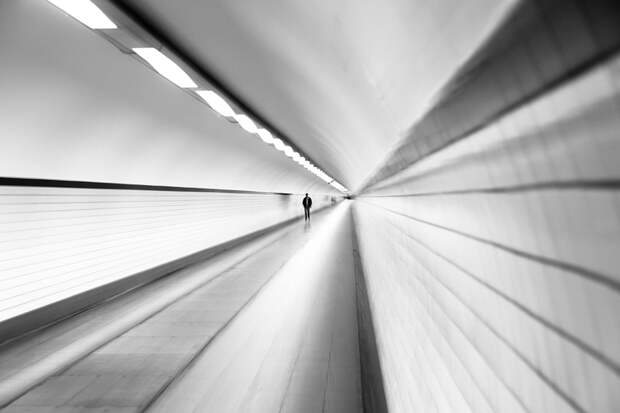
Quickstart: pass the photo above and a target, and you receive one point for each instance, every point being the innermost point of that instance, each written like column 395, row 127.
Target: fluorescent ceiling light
column 288, row 151
column 246, row 123
column 339, row 187
column 279, row 145
column 325, row 177
column 86, row 12
column 265, row 135
column 216, row 102
column 165, row 67
column 296, row 156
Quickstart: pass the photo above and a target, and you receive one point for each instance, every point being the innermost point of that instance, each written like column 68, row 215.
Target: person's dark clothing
column 307, row 204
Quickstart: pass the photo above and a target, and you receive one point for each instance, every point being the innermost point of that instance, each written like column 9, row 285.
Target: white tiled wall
column 493, row 265
column 58, row 242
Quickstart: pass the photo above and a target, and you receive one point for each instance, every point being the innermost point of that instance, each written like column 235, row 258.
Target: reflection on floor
column 275, row 331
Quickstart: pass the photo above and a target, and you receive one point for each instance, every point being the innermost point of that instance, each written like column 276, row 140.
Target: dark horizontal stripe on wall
column 582, row 345
column 586, row 185
column 55, row 183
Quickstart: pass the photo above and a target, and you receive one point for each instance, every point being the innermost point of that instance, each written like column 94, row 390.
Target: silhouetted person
column 307, row 203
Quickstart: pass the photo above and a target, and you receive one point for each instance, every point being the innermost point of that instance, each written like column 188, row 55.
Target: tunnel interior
column 463, row 248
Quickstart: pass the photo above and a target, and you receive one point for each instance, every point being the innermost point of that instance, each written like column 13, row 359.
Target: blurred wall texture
column 491, row 237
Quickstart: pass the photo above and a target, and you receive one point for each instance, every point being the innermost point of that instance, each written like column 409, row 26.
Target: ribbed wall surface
column 492, row 262
column 58, row 242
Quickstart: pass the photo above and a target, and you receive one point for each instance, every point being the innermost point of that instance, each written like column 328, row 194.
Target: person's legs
column 305, row 214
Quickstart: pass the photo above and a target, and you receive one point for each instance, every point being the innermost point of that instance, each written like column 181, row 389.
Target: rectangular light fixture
column 216, row 102
column 165, row 66
column 288, row 151
column 338, row 186
column 86, row 12
column 278, row 144
column 246, row 123
column 265, row 135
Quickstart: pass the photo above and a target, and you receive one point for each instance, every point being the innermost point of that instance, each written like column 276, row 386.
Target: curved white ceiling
column 100, row 115
column 342, row 79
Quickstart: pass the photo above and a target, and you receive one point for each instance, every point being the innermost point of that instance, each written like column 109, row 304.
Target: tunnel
column 310, row 206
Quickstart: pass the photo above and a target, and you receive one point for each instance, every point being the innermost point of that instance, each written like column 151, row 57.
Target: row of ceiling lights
column 89, row 14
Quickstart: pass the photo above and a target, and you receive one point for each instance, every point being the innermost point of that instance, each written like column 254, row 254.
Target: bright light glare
column 86, row 12
column 325, row 177
column 279, row 145
column 165, row 66
column 288, row 151
column 296, row 156
column 338, row 186
column 246, row 123
column 265, row 135
column 216, row 102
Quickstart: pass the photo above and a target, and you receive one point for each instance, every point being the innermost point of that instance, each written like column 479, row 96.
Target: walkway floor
column 268, row 327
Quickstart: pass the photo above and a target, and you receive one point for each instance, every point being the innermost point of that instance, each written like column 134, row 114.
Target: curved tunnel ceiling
column 344, row 80
column 102, row 116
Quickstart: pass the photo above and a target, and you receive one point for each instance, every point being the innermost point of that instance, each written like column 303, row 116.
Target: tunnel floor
column 269, row 326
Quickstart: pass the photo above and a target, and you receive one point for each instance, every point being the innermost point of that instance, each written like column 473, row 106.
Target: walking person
column 307, row 203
